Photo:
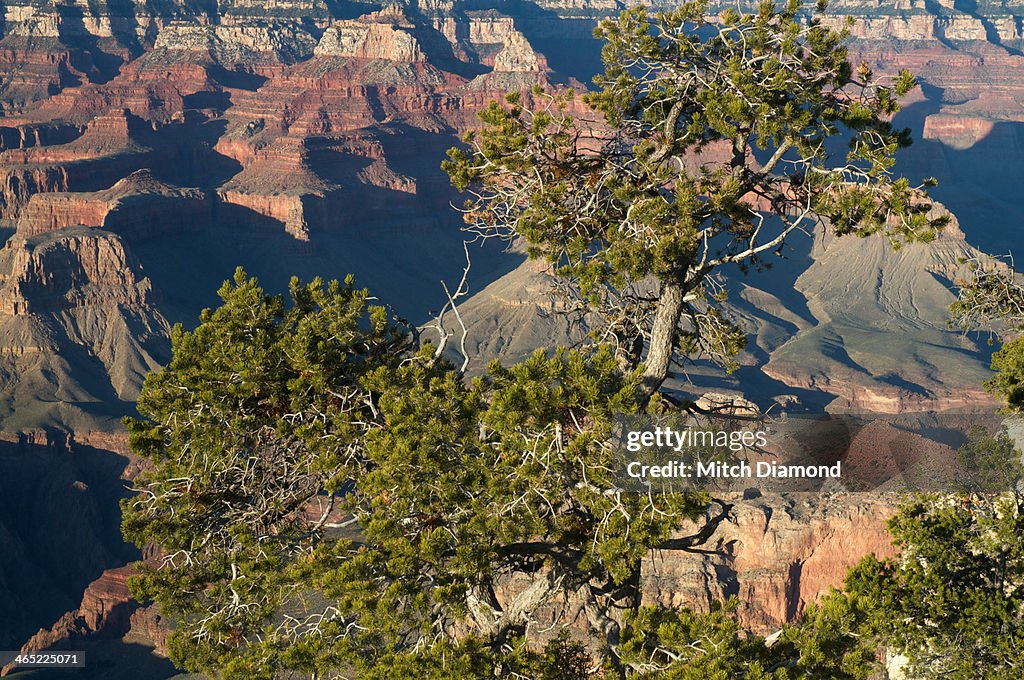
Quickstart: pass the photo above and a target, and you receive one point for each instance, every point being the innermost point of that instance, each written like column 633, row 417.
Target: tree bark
column 663, row 336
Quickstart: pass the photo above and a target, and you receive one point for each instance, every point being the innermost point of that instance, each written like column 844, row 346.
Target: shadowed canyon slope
column 147, row 147
column 172, row 144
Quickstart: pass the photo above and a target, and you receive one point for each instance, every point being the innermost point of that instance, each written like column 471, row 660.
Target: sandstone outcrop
column 76, row 323
column 956, row 132
column 111, row 146
column 496, row 42
column 137, row 206
column 40, row 134
column 41, row 280
column 775, row 554
column 248, row 45
column 517, row 55
column 106, row 612
column 778, row 554
column 279, row 184
column 387, row 34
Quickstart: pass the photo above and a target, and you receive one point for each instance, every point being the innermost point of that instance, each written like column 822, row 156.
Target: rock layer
column 778, row 554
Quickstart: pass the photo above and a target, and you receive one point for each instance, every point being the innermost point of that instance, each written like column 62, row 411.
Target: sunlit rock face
column 777, row 556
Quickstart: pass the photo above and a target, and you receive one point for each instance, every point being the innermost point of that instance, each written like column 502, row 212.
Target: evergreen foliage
column 324, row 497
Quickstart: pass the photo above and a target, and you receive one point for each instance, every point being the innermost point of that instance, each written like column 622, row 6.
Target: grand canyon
column 148, row 148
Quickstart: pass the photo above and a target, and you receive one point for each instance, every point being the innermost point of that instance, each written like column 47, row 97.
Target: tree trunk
column 663, row 335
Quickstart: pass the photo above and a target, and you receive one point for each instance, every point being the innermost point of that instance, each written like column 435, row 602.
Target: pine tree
column 715, row 140
column 324, row 497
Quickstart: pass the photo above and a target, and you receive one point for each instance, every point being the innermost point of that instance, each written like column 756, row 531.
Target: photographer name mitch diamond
column 719, row 470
